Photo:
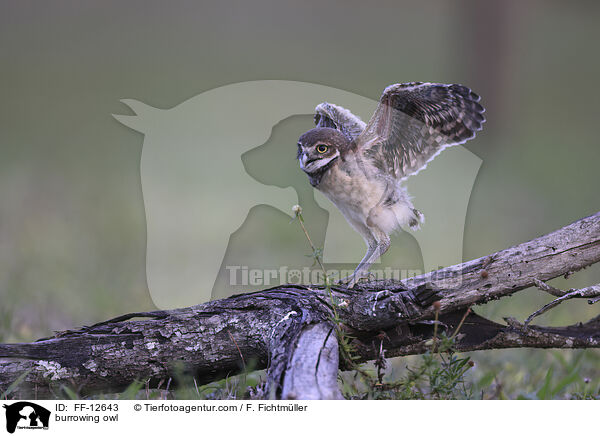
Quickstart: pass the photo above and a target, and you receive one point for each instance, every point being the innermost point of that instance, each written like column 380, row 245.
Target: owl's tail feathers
column 416, row 220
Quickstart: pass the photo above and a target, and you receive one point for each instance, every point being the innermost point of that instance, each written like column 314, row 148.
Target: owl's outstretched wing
column 414, row 122
column 336, row 117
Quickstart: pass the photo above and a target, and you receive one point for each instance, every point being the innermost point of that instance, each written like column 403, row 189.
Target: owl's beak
column 303, row 160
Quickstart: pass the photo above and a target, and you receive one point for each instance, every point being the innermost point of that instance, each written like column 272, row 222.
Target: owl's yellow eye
column 321, row 148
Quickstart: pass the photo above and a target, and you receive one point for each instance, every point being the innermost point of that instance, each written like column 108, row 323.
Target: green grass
column 443, row 374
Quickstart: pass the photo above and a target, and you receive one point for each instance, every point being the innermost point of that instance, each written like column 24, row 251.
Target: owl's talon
column 345, row 280
column 353, row 279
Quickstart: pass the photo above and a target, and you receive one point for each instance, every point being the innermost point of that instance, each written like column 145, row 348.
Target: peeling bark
column 283, row 329
column 313, row 368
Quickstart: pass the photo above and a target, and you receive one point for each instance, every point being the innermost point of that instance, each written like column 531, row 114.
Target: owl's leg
column 378, row 244
column 362, row 268
column 371, row 247
column 382, row 245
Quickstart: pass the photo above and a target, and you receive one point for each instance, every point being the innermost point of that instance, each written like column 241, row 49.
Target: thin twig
column 593, row 300
column 590, row 291
column 461, row 322
column 166, row 392
column 298, row 213
column 437, row 307
column 239, row 351
column 549, row 289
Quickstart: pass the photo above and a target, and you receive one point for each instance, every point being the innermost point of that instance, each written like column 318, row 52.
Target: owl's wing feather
column 339, row 118
column 414, row 122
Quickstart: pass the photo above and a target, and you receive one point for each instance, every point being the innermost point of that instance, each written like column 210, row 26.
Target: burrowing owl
column 360, row 168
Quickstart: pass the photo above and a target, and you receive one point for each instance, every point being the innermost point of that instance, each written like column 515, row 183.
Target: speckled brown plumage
column 360, row 167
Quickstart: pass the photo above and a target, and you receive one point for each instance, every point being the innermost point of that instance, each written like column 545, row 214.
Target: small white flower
column 296, row 209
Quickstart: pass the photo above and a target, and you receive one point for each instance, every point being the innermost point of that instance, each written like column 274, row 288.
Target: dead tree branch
column 592, row 292
column 288, row 329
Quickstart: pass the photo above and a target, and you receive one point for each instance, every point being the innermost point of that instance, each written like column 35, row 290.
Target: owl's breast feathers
column 365, row 199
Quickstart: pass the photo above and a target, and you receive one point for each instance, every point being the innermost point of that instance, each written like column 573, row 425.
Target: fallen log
column 290, row 330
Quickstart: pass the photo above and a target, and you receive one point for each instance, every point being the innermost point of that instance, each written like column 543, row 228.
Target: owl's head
column 318, row 149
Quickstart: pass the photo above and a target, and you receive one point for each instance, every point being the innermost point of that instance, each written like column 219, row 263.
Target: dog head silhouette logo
column 25, row 414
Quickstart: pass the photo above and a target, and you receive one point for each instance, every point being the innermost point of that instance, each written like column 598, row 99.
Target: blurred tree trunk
column 488, row 33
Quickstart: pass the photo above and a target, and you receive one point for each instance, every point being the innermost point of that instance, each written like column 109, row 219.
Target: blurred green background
column 72, row 224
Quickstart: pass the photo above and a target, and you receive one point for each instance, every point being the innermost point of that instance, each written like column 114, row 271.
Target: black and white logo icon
column 26, row 415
